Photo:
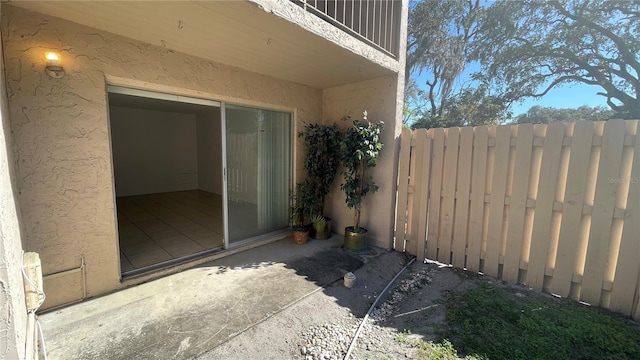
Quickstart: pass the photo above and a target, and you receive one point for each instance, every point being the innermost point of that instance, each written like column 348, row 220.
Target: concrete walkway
column 189, row 313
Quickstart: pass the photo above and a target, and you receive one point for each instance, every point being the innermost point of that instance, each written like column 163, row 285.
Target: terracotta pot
column 324, row 233
column 300, row 237
column 355, row 241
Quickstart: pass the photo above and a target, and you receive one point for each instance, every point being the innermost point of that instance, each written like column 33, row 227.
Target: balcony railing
column 376, row 22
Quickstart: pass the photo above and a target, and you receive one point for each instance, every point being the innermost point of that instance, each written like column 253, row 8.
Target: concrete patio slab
column 186, row 314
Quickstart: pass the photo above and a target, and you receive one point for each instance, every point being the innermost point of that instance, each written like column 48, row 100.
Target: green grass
column 495, row 324
column 429, row 350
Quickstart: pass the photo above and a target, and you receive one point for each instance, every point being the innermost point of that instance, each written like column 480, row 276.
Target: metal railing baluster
column 376, row 22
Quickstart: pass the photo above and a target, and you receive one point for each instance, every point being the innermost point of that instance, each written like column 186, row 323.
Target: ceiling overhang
column 237, row 33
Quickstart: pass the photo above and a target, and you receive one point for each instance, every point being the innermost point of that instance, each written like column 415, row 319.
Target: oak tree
column 526, row 48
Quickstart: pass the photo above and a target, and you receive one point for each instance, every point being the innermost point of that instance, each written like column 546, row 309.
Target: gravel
column 330, row 341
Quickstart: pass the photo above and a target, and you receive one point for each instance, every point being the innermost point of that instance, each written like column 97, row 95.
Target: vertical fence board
column 476, row 211
column 403, row 189
column 434, row 193
column 540, row 238
column 424, row 209
column 411, row 232
column 463, row 191
column 420, row 201
column 496, row 206
column 602, row 215
column 576, row 185
column 447, row 206
column 625, row 288
column 519, row 195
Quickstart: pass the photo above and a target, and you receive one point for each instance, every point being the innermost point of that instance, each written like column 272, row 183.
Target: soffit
column 237, row 33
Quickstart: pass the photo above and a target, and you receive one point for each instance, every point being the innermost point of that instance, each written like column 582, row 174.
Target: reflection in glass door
column 258, row 171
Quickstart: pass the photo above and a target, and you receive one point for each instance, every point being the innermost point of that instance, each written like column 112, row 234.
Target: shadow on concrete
column 326, row 266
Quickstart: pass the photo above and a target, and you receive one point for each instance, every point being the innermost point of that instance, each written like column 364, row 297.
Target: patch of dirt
column 413, row 310
column 322, row 325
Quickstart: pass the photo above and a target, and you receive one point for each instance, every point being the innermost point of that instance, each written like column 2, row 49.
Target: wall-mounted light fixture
column 54, row 65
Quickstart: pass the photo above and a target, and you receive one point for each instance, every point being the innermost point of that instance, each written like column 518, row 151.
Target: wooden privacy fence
column 554, row 207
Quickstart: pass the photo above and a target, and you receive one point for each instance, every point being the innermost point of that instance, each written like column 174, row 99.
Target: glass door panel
column 258, row 176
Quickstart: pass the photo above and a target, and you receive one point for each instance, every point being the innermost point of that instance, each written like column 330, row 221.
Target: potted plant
column 360, row 149
column 322, row 159
column 319, row 227
column 302, row 200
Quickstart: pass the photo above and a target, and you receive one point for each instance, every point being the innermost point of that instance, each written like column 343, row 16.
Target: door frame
column 162, row 92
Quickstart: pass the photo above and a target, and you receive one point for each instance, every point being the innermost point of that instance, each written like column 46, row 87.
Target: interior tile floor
column 154, row 228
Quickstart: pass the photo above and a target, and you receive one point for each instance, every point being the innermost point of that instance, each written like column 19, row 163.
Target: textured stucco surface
column 378, row 98
column 13, row 316
column 61, row 135
column 383, row 98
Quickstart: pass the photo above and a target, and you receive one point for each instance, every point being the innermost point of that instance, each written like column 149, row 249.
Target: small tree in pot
column 303, row 200
column 360, row 148
column 321, row 161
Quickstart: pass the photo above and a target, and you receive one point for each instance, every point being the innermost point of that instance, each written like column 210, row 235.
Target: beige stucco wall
column 378, row 98
column 61, row 133
column 13, row 317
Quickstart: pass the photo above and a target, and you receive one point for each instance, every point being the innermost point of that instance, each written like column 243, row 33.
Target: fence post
column 603, row 210
column 400, row 243
column 625, row 293
column 476, row 210
column 435, row 186
column 496, row 205
column 422, row 166
column 568, row 241
column 463, row 192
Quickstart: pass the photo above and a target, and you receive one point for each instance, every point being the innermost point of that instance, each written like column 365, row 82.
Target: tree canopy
column 523, row 49
column 526, row 48
column 469, row 107
column 439, row 36
column 544, row 115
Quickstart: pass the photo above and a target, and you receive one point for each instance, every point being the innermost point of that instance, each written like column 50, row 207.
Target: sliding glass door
column 258, row 171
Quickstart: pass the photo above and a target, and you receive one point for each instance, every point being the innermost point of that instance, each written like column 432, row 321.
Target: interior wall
column 61, row 132
column 153, row 151
column 13, row 315
column 209, row 151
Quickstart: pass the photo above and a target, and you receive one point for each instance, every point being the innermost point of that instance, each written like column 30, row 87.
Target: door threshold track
column 174, row 265
column 165, row 264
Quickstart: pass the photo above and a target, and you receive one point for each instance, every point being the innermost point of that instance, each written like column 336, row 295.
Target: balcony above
column 274, row 38
column 376, row 22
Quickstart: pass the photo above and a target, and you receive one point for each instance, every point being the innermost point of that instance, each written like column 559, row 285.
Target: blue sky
column 567, row 96
column 564, row 96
